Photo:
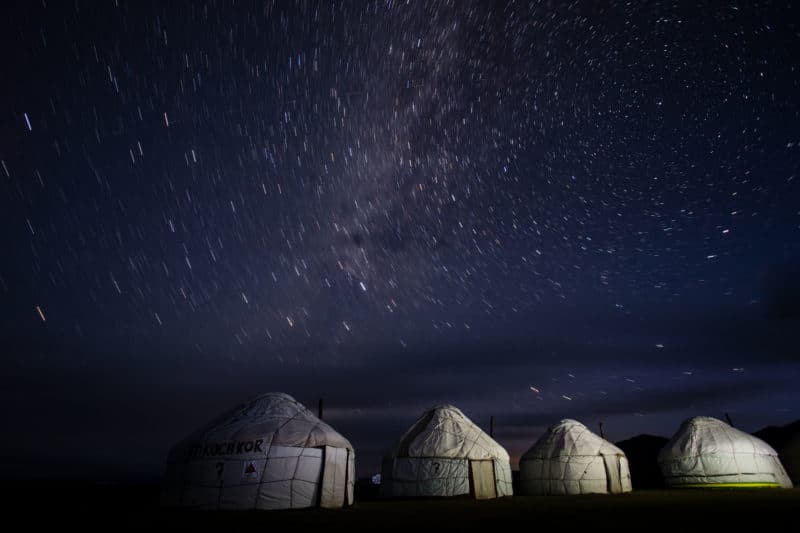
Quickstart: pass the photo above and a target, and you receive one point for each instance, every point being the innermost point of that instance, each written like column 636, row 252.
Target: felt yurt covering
column 706, row 452
column 445, row 454
column 570, row 459
column 268, row 453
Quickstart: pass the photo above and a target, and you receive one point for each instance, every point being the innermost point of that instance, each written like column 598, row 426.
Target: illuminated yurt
column 706, row 452
column 570, row 459
column 268, row 453
column 445, row 454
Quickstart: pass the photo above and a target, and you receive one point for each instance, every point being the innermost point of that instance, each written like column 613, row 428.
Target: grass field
column 136, row 508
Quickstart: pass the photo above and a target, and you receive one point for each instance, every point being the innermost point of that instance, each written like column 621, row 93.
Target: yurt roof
column 275, row 418
column 706, row 435
column 569, row 438
column 445, row 432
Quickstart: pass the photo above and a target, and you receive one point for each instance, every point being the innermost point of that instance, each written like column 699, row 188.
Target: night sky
column 532, row 211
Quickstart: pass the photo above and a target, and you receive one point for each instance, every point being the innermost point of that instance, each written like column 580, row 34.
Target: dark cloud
column 694, row 398
column 122, row 418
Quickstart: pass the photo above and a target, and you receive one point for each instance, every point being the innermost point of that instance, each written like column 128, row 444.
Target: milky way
column 277, row 185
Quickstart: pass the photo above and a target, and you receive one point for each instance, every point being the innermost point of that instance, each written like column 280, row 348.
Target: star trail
column 531, row 210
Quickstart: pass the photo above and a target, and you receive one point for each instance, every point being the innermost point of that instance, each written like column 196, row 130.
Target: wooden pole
column 491, row 426
column 728, row 418
column 601, row 431
column 319, row 410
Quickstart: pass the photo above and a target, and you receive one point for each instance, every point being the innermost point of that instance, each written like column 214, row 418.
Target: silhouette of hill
column 778, row 436
column 642, row 452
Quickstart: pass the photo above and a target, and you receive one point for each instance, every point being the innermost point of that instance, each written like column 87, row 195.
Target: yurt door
column 613, row 474
column 334, row 478
column 482, row 479
column 351, row 477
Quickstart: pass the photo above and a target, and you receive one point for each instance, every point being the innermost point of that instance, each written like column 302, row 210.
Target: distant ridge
column 778, row 436
column 642, row 453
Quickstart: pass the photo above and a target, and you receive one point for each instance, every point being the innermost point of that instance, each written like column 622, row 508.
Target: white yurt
column 268, row 453
column 570, row 459
column 446, row 454
column 790, row 457
column 706, row 452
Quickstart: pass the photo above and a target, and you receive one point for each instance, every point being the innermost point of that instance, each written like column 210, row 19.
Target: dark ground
column 114, row 507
